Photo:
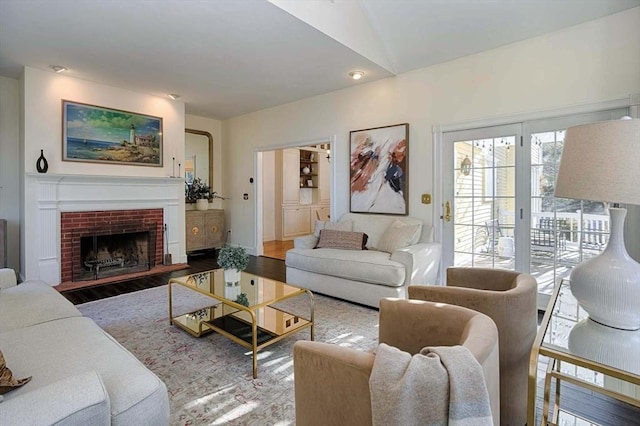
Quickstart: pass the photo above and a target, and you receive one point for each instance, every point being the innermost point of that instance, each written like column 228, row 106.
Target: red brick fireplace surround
column 73, row 223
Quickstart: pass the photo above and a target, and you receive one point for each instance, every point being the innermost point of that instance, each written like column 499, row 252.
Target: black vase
column 42, row 165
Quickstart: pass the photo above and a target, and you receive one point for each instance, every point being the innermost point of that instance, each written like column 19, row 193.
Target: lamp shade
column 601, row 162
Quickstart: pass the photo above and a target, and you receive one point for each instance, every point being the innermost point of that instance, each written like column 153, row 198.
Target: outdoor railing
column 589, row 230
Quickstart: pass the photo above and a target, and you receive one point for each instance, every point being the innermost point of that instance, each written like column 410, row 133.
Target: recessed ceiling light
column 173, row 96
column 356, row 75
column 57, row 68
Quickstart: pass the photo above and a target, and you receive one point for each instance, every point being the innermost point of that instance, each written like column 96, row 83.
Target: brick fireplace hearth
column 75, row 225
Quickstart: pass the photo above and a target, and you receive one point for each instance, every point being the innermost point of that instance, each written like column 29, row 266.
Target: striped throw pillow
column 344, row 240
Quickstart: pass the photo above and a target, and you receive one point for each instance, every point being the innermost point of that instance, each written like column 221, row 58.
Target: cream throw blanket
column 441, row 385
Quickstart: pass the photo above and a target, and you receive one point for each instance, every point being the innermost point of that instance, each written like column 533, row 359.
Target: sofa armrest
column 7, row 278
column 421, row 261
column 305, row 241
column 77, row 400
column 331, row 384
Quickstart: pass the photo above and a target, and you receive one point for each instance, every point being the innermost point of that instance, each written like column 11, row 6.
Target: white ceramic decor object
column 232, row 291
column 202, row 204
column 606, row 345
column 232, row 276
column 608, row 286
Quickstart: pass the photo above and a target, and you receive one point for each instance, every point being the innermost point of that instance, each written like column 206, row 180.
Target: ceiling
column 231, row 57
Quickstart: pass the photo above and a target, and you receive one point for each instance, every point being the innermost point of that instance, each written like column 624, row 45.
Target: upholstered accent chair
column 509, row 298
column 332, row 382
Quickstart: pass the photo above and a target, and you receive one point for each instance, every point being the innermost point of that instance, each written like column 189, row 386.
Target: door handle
column 447, row 211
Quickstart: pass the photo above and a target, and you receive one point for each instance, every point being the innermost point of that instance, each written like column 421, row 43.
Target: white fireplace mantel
column 47, row 195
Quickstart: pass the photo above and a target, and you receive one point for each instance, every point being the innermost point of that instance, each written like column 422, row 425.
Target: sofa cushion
column 77, row 400
column 375, row 225
column 398, row 235
column 55, row 350
column 342, row 240
column 7, row 381
column 374, row 267
column 33, row 302
column 346, row 225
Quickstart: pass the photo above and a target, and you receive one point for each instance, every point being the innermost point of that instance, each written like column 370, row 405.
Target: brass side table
column 582, row 352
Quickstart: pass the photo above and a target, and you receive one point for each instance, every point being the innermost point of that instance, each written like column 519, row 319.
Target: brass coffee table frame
column 242, row 314
column 559, row 355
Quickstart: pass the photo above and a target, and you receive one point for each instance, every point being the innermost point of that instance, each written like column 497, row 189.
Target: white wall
column 42, row 95
column 595, row 61
column 9, row 167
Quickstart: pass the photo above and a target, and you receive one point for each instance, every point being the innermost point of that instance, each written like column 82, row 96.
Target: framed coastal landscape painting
column 379, row 161
column 103, row 135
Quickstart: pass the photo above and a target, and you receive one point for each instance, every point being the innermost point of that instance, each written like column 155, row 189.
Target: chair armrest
column 410, row 325
column 460, row 296
column 331, row 384
column 305, row 241
column 499, row 305
column 490, row 303
column 7, row 278
column 77, row 400
column 421, row 261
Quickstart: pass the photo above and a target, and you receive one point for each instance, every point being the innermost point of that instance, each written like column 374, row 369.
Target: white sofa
column 365, row 276
column 80, row 374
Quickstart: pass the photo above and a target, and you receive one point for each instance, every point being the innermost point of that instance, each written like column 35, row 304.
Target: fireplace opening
column 112, row 250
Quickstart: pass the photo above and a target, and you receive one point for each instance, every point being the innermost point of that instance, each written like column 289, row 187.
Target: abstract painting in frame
column 104, row 135
column 379, row 164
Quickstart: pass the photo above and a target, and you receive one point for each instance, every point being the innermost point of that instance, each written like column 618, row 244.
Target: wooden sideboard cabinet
column 205, row 229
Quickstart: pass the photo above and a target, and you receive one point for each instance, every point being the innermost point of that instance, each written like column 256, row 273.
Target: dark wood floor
column 592, row 405
column 264, row 266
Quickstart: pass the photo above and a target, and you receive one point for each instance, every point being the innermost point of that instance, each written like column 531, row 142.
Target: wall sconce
column 465, row 166
column 329, row 155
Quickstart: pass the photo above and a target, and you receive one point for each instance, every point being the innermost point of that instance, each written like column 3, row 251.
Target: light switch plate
column 426, row 198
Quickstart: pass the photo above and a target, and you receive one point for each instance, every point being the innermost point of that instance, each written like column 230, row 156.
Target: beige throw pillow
column 345, row 240
column 346, row 225
column 399, row 235
column 7, row 381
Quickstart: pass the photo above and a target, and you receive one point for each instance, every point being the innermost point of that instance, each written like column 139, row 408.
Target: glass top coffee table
column 249, row 313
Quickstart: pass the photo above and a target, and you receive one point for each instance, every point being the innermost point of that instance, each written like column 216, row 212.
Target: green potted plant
column 197, row 192
column 233, row 260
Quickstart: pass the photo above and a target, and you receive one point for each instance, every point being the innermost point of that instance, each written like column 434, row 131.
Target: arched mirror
column 198, row 156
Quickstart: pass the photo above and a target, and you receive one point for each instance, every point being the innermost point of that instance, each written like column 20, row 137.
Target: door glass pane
column 563, row 231
column 464, row 211
column 484, row 202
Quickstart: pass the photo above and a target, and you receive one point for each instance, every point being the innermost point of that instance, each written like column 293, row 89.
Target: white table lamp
column 601, row 162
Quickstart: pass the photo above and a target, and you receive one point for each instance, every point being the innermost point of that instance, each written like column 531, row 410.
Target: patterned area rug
column 209, row 378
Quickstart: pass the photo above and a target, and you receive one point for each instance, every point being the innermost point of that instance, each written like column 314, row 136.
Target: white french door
column 498, row 205
column 480, row 193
